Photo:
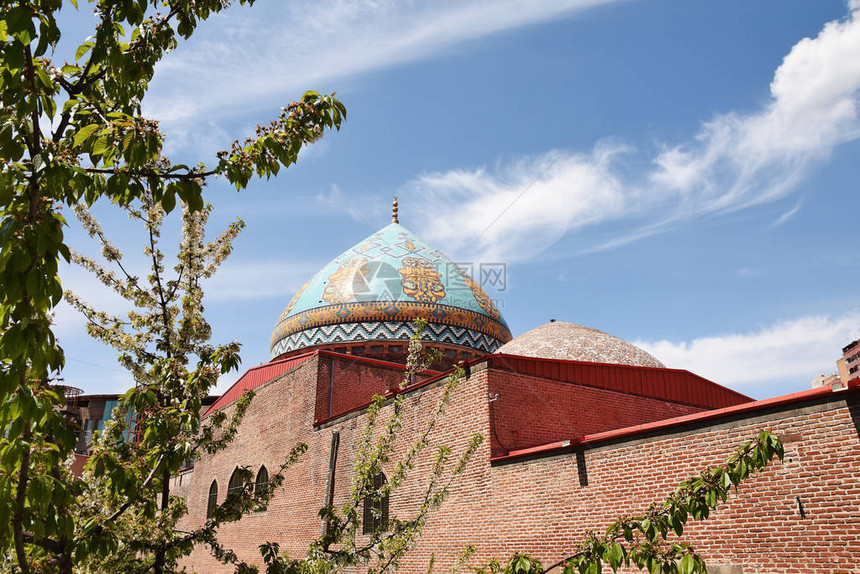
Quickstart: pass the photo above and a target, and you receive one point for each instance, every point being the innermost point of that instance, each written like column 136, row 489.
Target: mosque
column 580, row 427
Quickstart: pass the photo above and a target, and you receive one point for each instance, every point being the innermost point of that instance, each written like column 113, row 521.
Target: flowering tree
column 127, row 517
column 125, row 506
column 73, row 132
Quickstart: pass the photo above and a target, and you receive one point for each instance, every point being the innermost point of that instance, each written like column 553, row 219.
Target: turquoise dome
column 376, row 289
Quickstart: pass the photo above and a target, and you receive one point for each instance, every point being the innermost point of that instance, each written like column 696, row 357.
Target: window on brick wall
column 235, row 484
column 376, row 507
column 261, row 485
column 213, row 499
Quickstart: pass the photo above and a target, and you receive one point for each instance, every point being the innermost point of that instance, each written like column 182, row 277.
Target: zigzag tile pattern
column 390, row 311
column 387, row 331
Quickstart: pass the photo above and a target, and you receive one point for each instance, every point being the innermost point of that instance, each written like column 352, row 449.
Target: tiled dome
column 375, row 290
column 572, row 342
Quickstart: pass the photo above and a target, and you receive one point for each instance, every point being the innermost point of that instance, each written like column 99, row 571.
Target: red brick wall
column 546, row 505
column 352, row 384
column 532, row 411
column 278, row 418
column 760, row 528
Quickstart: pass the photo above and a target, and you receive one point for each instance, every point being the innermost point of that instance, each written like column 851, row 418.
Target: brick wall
column 546, row 505
column 278, row 418
column 532, row 411
column 344, row 385
column 759, row 529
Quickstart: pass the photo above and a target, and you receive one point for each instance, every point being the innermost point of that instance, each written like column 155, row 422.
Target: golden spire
column 394, row 211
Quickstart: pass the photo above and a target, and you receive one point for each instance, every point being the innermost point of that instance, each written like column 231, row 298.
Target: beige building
column 849, row 364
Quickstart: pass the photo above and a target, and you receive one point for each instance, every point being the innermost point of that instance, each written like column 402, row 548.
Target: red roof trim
column 699, row 378
column 491, row 356
column 368, row 360
column 245, row 384
column 626, row 432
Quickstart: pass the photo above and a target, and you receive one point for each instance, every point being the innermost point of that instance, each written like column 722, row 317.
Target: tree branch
column 189, row 175
column 20, row 500
column 144, row 486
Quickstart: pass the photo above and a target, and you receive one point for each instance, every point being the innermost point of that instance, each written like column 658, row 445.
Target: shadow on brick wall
column 854, row 408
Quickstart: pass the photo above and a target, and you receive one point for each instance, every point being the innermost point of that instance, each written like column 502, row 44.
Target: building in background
column 90, row 413
column 579, row 427
column 93, row 411
column 849, row 364
column 826, row 380
column 847, row 367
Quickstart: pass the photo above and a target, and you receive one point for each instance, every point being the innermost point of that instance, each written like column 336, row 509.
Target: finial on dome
column 394, row 211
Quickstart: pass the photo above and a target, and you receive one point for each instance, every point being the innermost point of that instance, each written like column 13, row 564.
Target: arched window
column 236, row 483
column 261, row 485
column 376, row 507
column 213, row 499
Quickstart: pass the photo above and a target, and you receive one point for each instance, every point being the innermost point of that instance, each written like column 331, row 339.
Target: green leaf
column 15, row 429
column 101, row 144
column 6, row 230
column 13, row 342
column 687, row 564
column 168, row 202
column 17, row 19
column 71, row 103
column 50, row 106
column 84, row 133
column 677, row 526
column 614, row 555
column 711, row 498
column 83, row 49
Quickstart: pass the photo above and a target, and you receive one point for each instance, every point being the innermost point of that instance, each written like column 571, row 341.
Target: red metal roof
column 255, row 377
column 675, row 385
column 746, row 408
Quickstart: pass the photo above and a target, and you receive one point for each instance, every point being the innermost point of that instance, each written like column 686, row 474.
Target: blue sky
column 682, row 175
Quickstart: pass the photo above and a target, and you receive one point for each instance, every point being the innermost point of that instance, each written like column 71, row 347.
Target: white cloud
column 530, row 202
column 786, row 216
column 256, row 58
column 740, row 160
column 794, row 350
column 734, row 162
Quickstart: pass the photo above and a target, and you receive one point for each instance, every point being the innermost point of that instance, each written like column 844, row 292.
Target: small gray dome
column 571, row 342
